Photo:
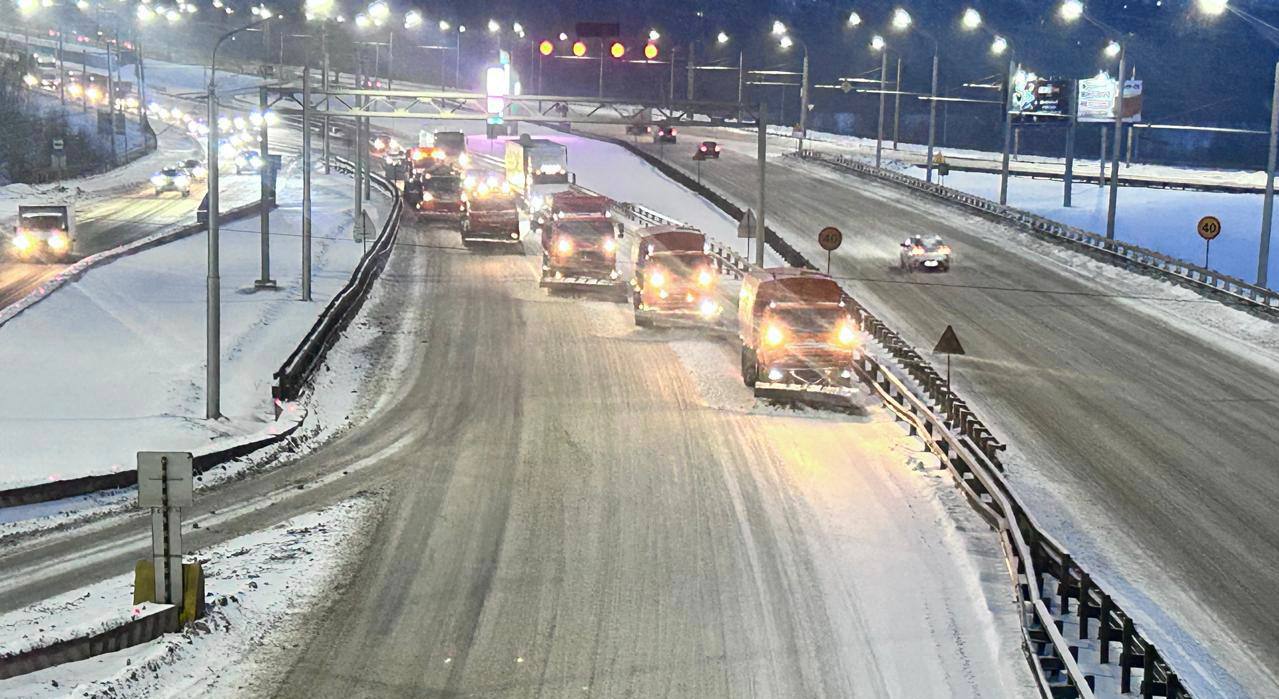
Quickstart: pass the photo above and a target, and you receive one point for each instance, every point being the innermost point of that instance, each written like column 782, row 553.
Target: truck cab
column 440, row 194
column 43, row 233
column 492, row 213
column 796, row 332
column 675, row 278
column 581, row 250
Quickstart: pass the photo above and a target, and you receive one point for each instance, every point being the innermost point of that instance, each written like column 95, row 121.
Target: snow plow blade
column 615, row 287
column 817, row 395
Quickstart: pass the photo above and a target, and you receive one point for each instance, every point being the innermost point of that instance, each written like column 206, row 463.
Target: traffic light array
column 616, row 49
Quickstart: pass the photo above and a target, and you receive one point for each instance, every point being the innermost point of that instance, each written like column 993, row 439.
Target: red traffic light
column 579, row 48
column 546, row 47
column 616, row 49
column 650, row 50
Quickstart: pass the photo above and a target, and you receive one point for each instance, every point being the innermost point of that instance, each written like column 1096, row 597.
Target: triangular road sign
column 746, row 227
column 949, row 343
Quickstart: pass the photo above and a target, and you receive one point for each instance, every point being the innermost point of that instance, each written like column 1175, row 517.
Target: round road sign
column 830, row 238
column 1209, row 227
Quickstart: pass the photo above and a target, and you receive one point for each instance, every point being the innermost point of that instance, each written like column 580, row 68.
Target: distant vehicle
column 675, row 278
column 928, row 253
column 796, row 334
column 44, row 232
column 665, row 134
column 581, row 253
column 638, row 130
column 491, row 214
column 194, row 168
column 369, row 83
column 171, row 179
column 453, row 143
column 381, row 144
column 47, row 73
column 708, row 149
column 249, row 161
column 441, row 195
column 533, row 161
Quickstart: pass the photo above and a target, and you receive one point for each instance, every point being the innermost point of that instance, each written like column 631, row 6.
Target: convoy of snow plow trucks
column 798, row 338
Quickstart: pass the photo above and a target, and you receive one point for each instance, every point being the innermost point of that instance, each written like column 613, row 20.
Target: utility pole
column 803, row 101
column 671, row 94
column 601, row 89
column 1267, row 207
column 741, row 76
column 264, row 197
column 306, row 181
column 897, row 102
column 932, row 116
column 691, row 67
column 115, row 156
column 1069, row 175
column 324, row 85
column 879, row 137
column 762, row 148
column 1008, row 131
column 1114, row 156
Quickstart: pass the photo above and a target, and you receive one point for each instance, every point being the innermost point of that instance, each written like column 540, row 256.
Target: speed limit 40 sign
column 1209, row 227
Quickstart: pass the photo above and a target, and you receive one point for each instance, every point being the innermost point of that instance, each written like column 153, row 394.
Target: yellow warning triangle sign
column 949, row 343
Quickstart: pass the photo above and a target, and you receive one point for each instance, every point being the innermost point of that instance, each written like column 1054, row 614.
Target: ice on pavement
column 120, row 352
column 255, row 586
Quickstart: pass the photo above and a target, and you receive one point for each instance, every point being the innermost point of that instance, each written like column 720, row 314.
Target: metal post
column 306, row 182
column 1101, row 159
column 324, row 84
column 601, row 89
column 897, row 103
column 1268, row 203
column 358, row 224
column 457, row 65
column 115, row 156
column 692, row 57
column 1114, row 156
column 213, row 330
column 762, row 139
column 879, row 137
column 1069, row 175
column 932, row 117
column 1128, row 150
column 741, row 76
column 62, row 72
column 803, row 101
column 264, row 198
column 390, row 59
column 671, row 94
column 1008, row 131
column 1016, row 142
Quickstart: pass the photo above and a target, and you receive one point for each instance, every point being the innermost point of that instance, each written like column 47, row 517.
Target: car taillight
column 716, row 149
column 945, row 249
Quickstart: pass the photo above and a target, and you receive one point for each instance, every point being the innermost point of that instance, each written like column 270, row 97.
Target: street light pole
column 306, row 181
column 1008, row 131
column 1069, row 175
column 803, row 101
column 932, row 116
column 1114, row 155
column 762, row 154
column 897, row 103
column 879, row 137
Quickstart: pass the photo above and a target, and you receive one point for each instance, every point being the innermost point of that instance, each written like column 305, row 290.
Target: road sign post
column 746, row 229
column 948, row 345
column 829, row 238
column 1209, row 227
column 164, row 485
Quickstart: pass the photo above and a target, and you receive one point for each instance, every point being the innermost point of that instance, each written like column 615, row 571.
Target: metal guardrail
column 1036, row 561
column 297, row 369
column 1114, row 251
column 148, row 627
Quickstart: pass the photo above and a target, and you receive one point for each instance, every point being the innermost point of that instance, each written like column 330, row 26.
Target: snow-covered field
column 255, row 586
column 113, row 363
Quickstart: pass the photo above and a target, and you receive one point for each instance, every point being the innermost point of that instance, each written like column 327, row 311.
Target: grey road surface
column 1158, row 444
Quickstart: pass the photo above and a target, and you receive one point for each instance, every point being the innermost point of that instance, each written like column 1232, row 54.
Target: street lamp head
column 29, row 7
column 563, row 36
column 901, row 19
column 971, row 19
column 82, row 5
column 722, row 38
column 854, row 19
column 1071, row 10
column 785, row 41
column 518, row 28
column 778, row 27
column 494, row 27
column 999, row 46
column 1112, row 49
column 144, row 12
column 877, row 42
column 412, row 19
column 653, row 35
column 173, row 16
column 379, row 11
column 1212, row 8
column 362, row 21
column 318, row 8
column 444, row 25
column 461, row 29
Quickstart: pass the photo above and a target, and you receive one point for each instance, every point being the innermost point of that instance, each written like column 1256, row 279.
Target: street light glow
column 877, row 42
column 143, row 12
column 854, row 19
column 901, row 19
column 999, row 46
column 972, row 19
column 786, row 42
column 362, row 21
column 1112, row 49
column 318, row 8
column 444, row 25
column 778, row 27
column 82, row 5
column 563, row 36
column 1071, row 10
column 518, row 28
column 653, row 35
column 1212, row 8
column 722, row 38
column 494, row 27
column 379, row 11
column 412, row 19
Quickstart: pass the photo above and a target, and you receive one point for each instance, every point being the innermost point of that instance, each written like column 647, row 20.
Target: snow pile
column 256, row 587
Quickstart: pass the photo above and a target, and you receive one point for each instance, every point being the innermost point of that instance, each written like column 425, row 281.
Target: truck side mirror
column 620, row 230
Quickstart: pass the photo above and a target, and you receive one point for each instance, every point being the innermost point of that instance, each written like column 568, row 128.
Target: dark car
column 708, row 149
column 665, row 134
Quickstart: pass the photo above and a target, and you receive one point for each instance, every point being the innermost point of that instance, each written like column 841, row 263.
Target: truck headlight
column 704, row 278
column 846, row 335
column 58, row 242
column 657, row 278
column 610, row 246
column 22, row 242
column 564, row 246
column 774, row 335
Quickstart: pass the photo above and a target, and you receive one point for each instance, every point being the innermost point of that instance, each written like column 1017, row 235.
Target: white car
column 249, row 161
column 171, row 179
column 924, row 252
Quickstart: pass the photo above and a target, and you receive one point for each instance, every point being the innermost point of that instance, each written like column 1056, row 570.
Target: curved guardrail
column 1115, row 251
column 1043, row 572
column 296, row 371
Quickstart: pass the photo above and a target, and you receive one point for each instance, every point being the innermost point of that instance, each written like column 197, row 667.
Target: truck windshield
column 585, row 230
column 453, row 142
column 494, row 203
column 809, row 319
column 42, row 222
column 680, row 264
column 444, row 185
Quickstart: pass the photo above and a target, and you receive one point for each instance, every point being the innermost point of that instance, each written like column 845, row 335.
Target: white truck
column 534, row 161
column 44, row 232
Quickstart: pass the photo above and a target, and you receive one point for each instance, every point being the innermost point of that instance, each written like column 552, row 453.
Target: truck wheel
column 750, row 367
column 642, row 320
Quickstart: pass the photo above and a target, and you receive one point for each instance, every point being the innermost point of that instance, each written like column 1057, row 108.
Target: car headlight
column 657, row 278
column 158, row 180
column 22, row 242
column 181, row 181
column 610, row 246
column 427, row 196
column 58, row 242
column 704, row 278
column 464, row 160
column 774, row 335
column 846, row 335
column 199, row 171
column 564, row 246
column 708, row 308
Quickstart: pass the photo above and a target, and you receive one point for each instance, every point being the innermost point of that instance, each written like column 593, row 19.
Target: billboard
column 1097, row 99
column 1036, row 99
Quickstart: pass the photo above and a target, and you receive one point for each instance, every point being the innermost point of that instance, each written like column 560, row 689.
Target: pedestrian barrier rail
column 1115, row 251
column 296, row 371
column 1050, row 587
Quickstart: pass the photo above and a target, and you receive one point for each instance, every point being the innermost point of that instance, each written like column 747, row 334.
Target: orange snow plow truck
column 675, row 278
column 798, row 337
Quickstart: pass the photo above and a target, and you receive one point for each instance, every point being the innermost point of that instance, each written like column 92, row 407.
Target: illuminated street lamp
column 1213, row 8
column 971, row 19
column 998, row 45
column 494, row 27
column 902, row 19
column 778, row 28
column 902, row 22
column 653, row 35
column 877, row 43
column 379, row 12
column 1112, row 49
column 854, row 19
column 722, row 38
column 413, row 19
